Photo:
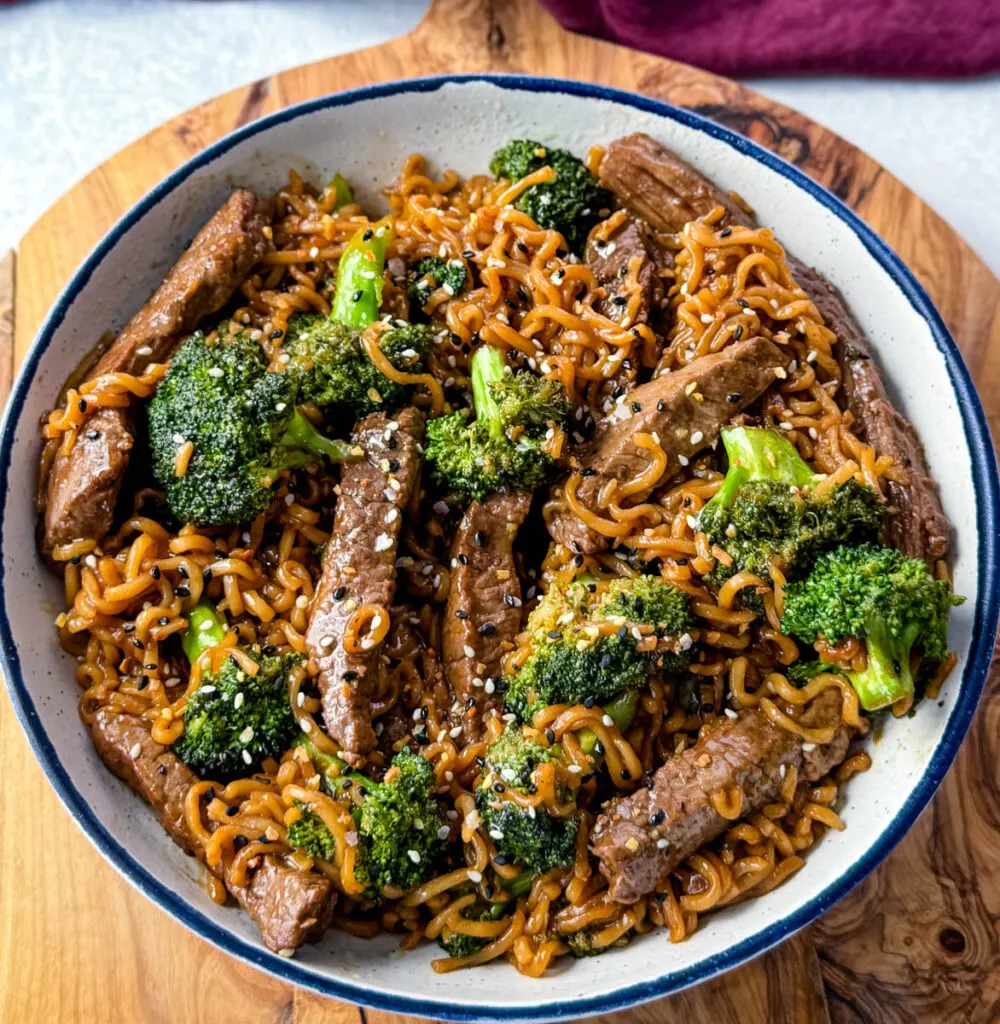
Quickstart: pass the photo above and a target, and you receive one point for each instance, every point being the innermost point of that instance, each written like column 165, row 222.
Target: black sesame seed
column 532, row 789
column 143, row 683
column 268, row 649
column 488, row 891
column 182, row 591
column 391, row 444
column 589, row 702
column 626, row 774
column 657, row 817
column 82, row 405
column 420, row 738
column 347, row 783
column 550, row 735
column 129, row 627
column 487, row 629
column 738, row 333
column 275, row 334
column 76, row 559
column 606, row 660
column 742, row 303
column 480, row 538
column 339, row 593
column 349, row 675
column 500, row 860
column 262, row 838
column 92, row 435
column 725, row 232
column 588, row 472
column 578, row 560
column 363, row 790
column 480, row 762
column 659, row 405
column 230, row 811
column 734, row 396
column 367, row 236
column 163, row 620
column 469, row 702
column 508, row 599
column 155, row 572
column 357, row 296
column 660, row 897
column 553, row 634
column 239, row 842
column 584, row 779
column 622, row 632
column 461, row 613
column 599, row 749
column 182, row 572
column 499, row 787
column 636, row 407
column 210, row 793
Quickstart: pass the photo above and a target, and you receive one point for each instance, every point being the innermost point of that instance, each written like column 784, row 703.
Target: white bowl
column 458, row 122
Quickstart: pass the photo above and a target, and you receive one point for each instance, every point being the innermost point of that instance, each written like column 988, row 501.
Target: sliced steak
column 359, row 568
column 289, row 906
column 484, row 602
column 747, row 752
column 82, row 487
column 917, row 525
column 656, row 185
column 611, row 260
column 686, row 409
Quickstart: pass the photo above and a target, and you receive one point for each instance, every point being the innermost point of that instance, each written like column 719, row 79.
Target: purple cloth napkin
column 907, row 38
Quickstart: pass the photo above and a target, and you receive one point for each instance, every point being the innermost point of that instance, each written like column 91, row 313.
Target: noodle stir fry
column 432, row 598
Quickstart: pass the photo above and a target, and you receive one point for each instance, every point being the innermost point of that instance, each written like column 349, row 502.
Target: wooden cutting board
column 917, row 942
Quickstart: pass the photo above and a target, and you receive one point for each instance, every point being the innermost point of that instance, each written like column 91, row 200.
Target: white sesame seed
column 300, row 698
column 351, row 839
column 785, row 425
column 135, row 750
column 732, row 714
column 475, row 877
column 327, row 641
column 692, row 522
column 608, row 721
column 683, row 460
column 383, row 542
column 90, row 561
column 287, row 952
column 392, row 515
column 414, row 856
column 216, row 371
column 247, row 735
column 496, row 833
column 443, row 832
column 685, row 641
column 489, row 686
column 281, row 407
column 247, row 759
column 780, row 372
column 456, row 732
column 707, row 318
column 697, row 437
column 691, row 388
column 575, row 769
column 808, row 747
column 238, row 700
column 305, row 725
column 662, row 844
column 144, row 350
column 468, row 651
column 783, row 770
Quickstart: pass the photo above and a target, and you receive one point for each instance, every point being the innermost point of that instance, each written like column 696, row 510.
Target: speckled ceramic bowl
column 458, row 122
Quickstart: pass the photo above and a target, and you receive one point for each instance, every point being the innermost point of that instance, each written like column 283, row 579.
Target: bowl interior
column 366, row 136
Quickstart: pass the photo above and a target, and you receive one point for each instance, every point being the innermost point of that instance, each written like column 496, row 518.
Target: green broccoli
column 360, row 277
column 567, row 666
column 475, row 459
column 581, row 944
column 528, row 837
column 431, row 273
column 402, row 831
column 243, row 425
column 309, row 833
column 571, row 204
column 877, row 595
column 330, row 368
column 766, row 510
column 233, row 721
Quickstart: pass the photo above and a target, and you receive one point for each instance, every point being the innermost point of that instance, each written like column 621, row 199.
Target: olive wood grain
column 917, row 942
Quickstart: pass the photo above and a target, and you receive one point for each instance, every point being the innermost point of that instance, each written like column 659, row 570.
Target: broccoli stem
column 360, row 276
column 488, row 365
column 758, row 454
column 304, row 442
column 887, row 676
column 333, row 770
column 206, row 628
column 621, row 711
column 341, row 191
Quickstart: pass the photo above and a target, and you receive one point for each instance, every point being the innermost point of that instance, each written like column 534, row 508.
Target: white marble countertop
column 81, row 78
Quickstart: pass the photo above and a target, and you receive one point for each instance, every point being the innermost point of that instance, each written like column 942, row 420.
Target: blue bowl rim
column 987, row 486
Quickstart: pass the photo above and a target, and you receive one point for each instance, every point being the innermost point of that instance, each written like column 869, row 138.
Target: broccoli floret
column 581, row 944
column 243, row 425
column 877, row 595
column 456, row 945
column 400, row 824
column 527, row 837
column 309, row 833
column 330, row 368
column 803, row 672
column 432, row 273
column 571, row 204
column 566, row 667
column 478, row 458
column 767, row 511
column 223, row 737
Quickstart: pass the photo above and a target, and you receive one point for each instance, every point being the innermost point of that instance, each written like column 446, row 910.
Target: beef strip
column 484, row 602
column 610, row 261
column 289, row 906
column 720, row 386
column 656, row 185
column 359, row 568
column 749, row 752
column 917, row 525
column 82, row 486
